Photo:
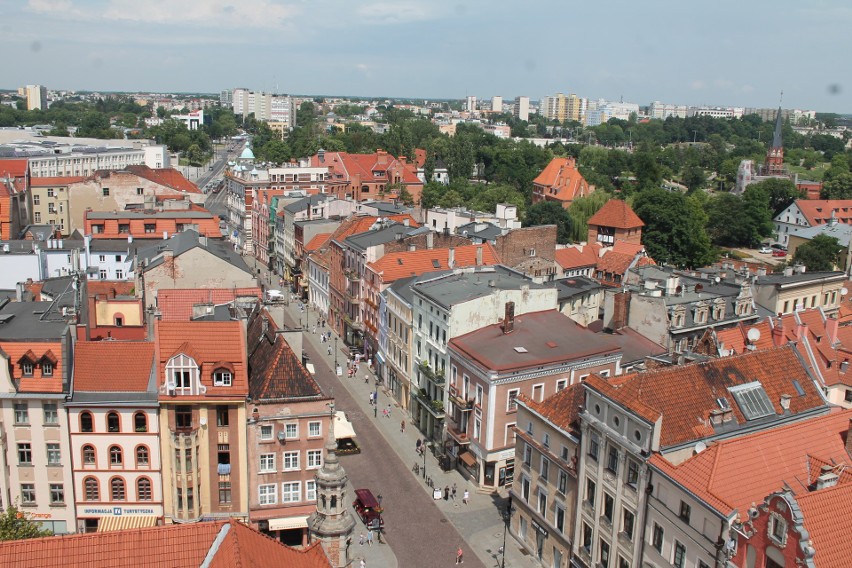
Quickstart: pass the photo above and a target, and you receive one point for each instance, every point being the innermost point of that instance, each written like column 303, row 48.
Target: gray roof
column 840, row 231
column 363, row 241
column 403, row 286
column 60, row 289
column 304, row 203
column 186, row 241
column 486, row 231
column 21, row 321
column 782, row 279
column 776, row 138
column 575, row 285
column 114, row 398
column 465, row 284
column 41, row 232
column 387, row 208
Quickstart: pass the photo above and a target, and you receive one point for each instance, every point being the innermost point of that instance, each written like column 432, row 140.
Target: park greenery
column 16, row 524
column 678, row 174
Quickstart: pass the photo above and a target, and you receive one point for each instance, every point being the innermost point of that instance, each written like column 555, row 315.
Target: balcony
column 458, row 435
column 436, row 377
column 352, row 298
column 435, row 407
column 465, row 405
column 352, row 276
column 357, row 325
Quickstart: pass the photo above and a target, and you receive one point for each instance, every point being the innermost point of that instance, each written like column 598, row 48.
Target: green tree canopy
column 16, row 525
column 674, row 228
column 822, row 253
column 781, row 193
column 550, row 213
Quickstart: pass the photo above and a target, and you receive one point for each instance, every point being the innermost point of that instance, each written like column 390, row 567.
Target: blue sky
column 719, row 53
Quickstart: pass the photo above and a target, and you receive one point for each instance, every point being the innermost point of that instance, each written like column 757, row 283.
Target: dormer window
column 222, row 378
column 27, row 368
column 182, row 377
column 47, row 369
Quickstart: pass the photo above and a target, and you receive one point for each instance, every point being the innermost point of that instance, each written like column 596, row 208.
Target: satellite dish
column 717, row 279
column 700, row 447
column 753, row 335
column 844, row 291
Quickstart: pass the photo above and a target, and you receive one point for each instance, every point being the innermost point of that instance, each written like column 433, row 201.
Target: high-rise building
column 226, row 98
column 264, row 106
column 576, row 107
column 522, row 108
column 470, row 104
column 497, row 104
column 36, row 97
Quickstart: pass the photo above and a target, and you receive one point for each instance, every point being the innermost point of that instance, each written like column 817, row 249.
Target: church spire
column 776, row 139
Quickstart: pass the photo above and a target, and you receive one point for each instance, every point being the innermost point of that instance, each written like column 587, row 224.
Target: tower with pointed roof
column 775, row 156
column 332, row 523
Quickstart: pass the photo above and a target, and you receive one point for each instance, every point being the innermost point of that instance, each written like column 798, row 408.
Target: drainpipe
column 649, row 488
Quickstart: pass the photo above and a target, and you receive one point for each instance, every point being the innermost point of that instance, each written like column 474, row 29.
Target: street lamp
column 335, row 354
column 507, row 517
column 424, row 457
column 376, row 400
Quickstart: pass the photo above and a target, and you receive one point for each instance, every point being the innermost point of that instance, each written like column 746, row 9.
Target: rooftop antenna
column 781, row 98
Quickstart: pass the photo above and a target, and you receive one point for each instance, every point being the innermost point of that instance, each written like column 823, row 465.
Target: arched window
column 142, row 456
column 116, row 487
column 182, row 376
column 115, row 457
column 143, row 489
column 93, row 492
column 89, row 455
column 222, row 377
column 140, row 422
column 87, row 424
column 113, row 422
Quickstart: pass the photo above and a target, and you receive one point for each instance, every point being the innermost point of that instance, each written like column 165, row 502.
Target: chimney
column 405, row 222
column 430, row 240
column 321, row 155
column 479, row 256
column 620, row 310
column 451, row 258
column 412, row 247
column 761, row 271
column 826, row 480
column 831, row 325
column 727, row 415
column 785, row 402
column 509, row 318
column 849, row 439
column 778, row 332
column 801, row 331
column 716, row 417
column 788, row 271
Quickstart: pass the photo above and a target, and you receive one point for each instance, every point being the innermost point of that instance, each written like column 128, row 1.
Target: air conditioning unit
column 282, row 436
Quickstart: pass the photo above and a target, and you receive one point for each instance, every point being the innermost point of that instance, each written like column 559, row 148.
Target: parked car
column 779, row 253
column 369, row 509
column 778, row 246
column 765, row 249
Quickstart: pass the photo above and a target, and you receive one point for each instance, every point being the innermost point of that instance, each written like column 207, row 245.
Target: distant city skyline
column 726, row 53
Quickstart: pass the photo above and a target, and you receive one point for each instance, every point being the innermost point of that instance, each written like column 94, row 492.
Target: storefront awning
column 124, row 522
column 311, row 369
column 287, row 523
column 468, row 459
column 342, row 427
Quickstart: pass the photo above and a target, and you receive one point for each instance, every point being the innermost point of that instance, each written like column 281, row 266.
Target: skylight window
column 436, row 263
column 521, row 349
column 752, row 400
column 798, row 388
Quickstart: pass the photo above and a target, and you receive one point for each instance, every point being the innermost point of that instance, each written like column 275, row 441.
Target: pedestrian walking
column 417, row 445
column 446, row 493
column 459, row 556
column 315, row 330
column 361, row 539
column 402, row 426
column 363, row 564
column 370, row 537
column 453, row 493
column 465, row 496
column 329, row 350
column 389, row 410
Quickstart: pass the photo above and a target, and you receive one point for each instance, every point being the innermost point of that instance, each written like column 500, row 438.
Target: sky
column 725, row 53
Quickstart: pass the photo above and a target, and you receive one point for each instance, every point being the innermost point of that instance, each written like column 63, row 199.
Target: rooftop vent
column 521, row 349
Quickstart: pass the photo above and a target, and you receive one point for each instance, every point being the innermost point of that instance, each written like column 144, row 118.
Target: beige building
column 795, row 290
column 36, row 97
column 64, row 161
column 50, row 201
column 395, row 346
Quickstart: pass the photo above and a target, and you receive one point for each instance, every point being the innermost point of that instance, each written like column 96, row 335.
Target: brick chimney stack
column 509, row 318
column 849, row 439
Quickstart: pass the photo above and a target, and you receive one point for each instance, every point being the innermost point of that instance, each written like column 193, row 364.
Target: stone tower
column 775, row 156
column 331, row 523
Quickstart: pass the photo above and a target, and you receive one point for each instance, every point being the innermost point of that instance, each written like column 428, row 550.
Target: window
column 632, row 473
column 590, row 492
column 222, row 378
column 224, row 492
column 512, row 400
column 561, row 384
column 117, row 489
column 50, row 413
column 685, row 512
column 542, row 503
column 545, row 468
column 222, row 418
column 139, row 191
column 679, row 555
column 545, row 440
column 594, row 446
column 291, row 461
column 267, row 494
column 183, row 374
column 291, row 492
column 608, row 504
column 190, row 499
column 266, row 432
column 150, row 228
column 562, row 484
column 477, row 427
column 88, row 455
column 54, row 455
column 559, row 519
column 27, row 368
column 25, row 453
column 314, row 459
column 267, row 463
column 314, row 429
column 627, row 520
column 22, row 413
column 93, row 492
column 46, row 369
column 28, row 496
column 778, row 529
column 123, row 228
column 657, row 538
column 143, row 489
column 140, row 422
column 612, row 459
column 142, row 456
column 86, row 422
column 106, row 192
column 36, row 199
column 37, row 216
column 702, row 564
column 623, row 563
column 604, row 560
column 310, row 490
column 525, row 488
column 115, row 457
column 291, row 431
column 183, row 417
column 113, row 422
column 102, row 274
column 587, row 538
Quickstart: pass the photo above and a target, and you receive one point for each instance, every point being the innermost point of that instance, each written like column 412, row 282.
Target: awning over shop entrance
column 342, row 427
column 123, row 522
column 288, row 523
column 468, row 459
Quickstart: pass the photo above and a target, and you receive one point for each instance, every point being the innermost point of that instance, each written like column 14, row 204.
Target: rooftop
column 467, row 284
column 22, row 321
column 98, row 365
column 177, row 304
column 394, row 266
column 562, row 409
column 188, row 240
column 616, row 213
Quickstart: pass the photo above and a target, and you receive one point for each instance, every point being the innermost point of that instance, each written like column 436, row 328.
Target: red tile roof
column 561, row 409
column 616, row 213
column 824, row 512
column 16, row 168
column 317, row 242
column 54, row 181
column 113, row 366
column 818, row 211
column 561, row 180
column 38, row 383
column 578, row 256
column 733, row 474
column 171, row 545
column 393, row 266
column 356, row 225
column 177, row 304
column 168, row 177
column 110, row 287
column 684, row 395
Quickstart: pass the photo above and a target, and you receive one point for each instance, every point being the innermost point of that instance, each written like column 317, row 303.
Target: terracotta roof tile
column 16, row 168
column 168, row 177
column 561, row 409
column 317, row 242
column 684, row 395
column 54, row 181
column 393, row 266
column 113, row 366
column 818, row 211
column 170, row 545
column 616, row 213
column 177, row 304
column 733, row 474
column 561, row 180
column 356, row 225
column 824, row 512
column 578, row 256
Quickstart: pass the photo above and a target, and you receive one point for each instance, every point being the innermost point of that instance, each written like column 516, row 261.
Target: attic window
column 798, row 388
column 399, row 261
column 436, row 263
column 521, row 349
column 723, row 403
column 752, row 400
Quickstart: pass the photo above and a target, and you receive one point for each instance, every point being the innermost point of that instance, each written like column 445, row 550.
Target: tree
column 781, row 193
column 694, row 177
column 16, row 525
column 674, row 228
column 550, row 213
column 820, row 254
column 838, row 187
column 740, row 221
